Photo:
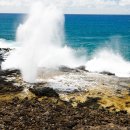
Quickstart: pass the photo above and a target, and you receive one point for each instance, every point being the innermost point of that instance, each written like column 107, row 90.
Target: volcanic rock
column 3, row 54
column 66, row 69
column 108, row 73
column 44, row 91
column 82, row 68
column 6, row 85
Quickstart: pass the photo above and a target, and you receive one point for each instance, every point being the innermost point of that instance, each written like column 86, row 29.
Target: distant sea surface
column 89, row 32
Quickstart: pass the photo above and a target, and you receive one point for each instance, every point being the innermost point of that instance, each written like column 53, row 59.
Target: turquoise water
column 90, row 32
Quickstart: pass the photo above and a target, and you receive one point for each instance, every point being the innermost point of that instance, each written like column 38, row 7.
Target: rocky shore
column 64, row 99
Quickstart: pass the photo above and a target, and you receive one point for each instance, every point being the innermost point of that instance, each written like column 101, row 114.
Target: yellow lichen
column 108, row 98
column 21, row 95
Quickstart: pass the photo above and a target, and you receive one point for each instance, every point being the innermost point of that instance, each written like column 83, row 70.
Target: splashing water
column 41, row 40
column 41, row 43
column 107, row 60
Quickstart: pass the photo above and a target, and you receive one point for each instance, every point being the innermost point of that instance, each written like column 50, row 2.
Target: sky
column 71, row 6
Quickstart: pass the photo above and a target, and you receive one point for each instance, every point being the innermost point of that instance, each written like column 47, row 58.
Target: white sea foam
column 6, row 44
column 41, row 40
column 107, row 60
column 41, row 43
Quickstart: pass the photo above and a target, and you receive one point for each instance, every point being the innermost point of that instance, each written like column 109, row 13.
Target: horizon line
column 66, row 13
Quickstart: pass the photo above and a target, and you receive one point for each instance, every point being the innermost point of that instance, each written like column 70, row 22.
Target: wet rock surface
column 3, row 54
column 47, row 110
column 67, row 69
column 102, row 104
column 107, row 73
column 44, row 91
column 6, row 85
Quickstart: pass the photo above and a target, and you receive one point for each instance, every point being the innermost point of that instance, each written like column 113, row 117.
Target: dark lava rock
column 66, row 69
column 8, row 86
column 44, row 91
column 3, row 52
column 48, row 114
column 82, row 68
column 107, row 73
column 77, row 69
column 9, row 72
column 91, row 103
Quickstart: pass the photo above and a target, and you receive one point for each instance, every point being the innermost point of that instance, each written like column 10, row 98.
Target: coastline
column 99, row 101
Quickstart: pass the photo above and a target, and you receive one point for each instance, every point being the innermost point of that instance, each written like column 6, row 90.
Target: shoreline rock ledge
column 96, row 101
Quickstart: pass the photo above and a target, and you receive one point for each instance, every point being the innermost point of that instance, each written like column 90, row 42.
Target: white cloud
column 74, row 6
column 124, row 3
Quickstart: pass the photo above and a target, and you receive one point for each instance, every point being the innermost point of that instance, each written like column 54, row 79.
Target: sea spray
column 107, row 60
column 41, row 40
column 5, row 44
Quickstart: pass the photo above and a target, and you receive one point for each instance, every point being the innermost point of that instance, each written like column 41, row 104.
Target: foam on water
column 41, row 43
column 5, row 44
column 107, row 60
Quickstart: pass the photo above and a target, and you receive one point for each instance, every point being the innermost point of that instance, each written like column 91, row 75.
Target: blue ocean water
column 91, row 32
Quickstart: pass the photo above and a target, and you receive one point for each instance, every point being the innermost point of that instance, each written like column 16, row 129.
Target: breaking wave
column 41, row 43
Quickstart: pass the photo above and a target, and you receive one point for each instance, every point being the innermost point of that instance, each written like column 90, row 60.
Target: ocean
column 99, row 42
column 98, row 31
column 89, row 32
